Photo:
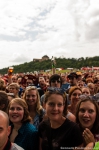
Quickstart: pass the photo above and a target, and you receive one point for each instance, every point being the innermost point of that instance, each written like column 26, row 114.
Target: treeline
column 60, row 63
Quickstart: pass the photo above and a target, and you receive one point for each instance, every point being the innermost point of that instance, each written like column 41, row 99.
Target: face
column 56, row 83
column 12, row 89
column 91, row 88
column 75, row 97
column 97, row 84
column 14, row 79
column 72, row 81
column 31, row 97
column 54, row 107
column 87, row 114
column 42, row 82
column 4, row 131
column 47, row 82
column 29, row 82
column 85, row 91
column 16, row 113
column 63, row 77
column 80, row 84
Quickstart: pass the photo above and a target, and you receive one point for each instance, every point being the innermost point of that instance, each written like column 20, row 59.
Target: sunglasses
column 55, row 81
column 95, row 97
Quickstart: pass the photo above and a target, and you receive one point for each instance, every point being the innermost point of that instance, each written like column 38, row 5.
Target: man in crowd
column 5, row 144
column 73, row 78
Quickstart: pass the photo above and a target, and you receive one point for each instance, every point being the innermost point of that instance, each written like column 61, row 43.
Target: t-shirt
column 67, row 136
column 96, row 147
column 16, row 147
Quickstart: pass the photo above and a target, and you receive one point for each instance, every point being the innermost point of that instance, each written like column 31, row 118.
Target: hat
column 72, row 75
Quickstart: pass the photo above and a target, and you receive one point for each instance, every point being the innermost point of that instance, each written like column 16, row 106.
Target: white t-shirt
column 16, row 147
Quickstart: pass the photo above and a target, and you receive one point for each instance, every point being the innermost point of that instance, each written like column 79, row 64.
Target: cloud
column 34, row 28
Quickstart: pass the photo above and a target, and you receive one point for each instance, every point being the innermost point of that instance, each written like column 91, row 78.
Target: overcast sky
column 60, row 28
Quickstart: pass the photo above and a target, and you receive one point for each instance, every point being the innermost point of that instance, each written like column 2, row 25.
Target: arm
column 80, row 147
column 89, row 146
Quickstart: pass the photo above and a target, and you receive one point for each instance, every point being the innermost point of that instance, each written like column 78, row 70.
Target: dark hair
column 95, row 128
column 49, row 93
column 95, row 81
column 2, row 85
column 4, row 100
column 55, row 77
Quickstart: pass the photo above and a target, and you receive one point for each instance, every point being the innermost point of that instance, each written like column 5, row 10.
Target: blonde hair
column 15, row 85
column 39, row 108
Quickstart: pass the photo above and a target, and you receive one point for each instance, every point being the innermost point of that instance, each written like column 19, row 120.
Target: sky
column 61, row 28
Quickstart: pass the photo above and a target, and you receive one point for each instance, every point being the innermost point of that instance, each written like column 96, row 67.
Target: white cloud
column 33, row 28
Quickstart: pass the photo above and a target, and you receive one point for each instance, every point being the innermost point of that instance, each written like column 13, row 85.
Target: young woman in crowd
column 74, row 97
column 23, row 133
column 87, row 117
column 36, row 111
column 85, row 91
column 58, row 132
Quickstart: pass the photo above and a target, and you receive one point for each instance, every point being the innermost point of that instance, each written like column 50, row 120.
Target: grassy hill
column 60, row 63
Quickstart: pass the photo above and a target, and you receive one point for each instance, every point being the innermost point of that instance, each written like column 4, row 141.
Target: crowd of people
column 49, row 111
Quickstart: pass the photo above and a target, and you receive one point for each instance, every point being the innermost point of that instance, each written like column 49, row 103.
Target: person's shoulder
column 16, row 147
column 29, row 127
column 70, row 123
column 45, row 123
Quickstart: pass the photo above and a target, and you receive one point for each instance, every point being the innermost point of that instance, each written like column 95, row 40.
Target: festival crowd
column 49, row 111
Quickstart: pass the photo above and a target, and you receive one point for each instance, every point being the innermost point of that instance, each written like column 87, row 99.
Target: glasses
column 55, row 81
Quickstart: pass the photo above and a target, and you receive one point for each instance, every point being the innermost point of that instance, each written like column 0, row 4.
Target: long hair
column 39, row 108
column 49, row 93
column 95, row 128
column 22, row 103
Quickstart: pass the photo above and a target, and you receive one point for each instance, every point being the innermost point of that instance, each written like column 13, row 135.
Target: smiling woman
column 36, row 111
column 58, row 132
column 87, row 116
column 22, row 129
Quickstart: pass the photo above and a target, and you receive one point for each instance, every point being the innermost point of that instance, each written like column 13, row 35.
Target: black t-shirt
column 67, row 136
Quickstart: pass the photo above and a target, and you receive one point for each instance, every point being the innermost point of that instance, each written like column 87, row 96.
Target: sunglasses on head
column 95, row 97
column 55, row 89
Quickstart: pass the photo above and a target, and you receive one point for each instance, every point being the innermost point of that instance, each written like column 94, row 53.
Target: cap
column 72, row 75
